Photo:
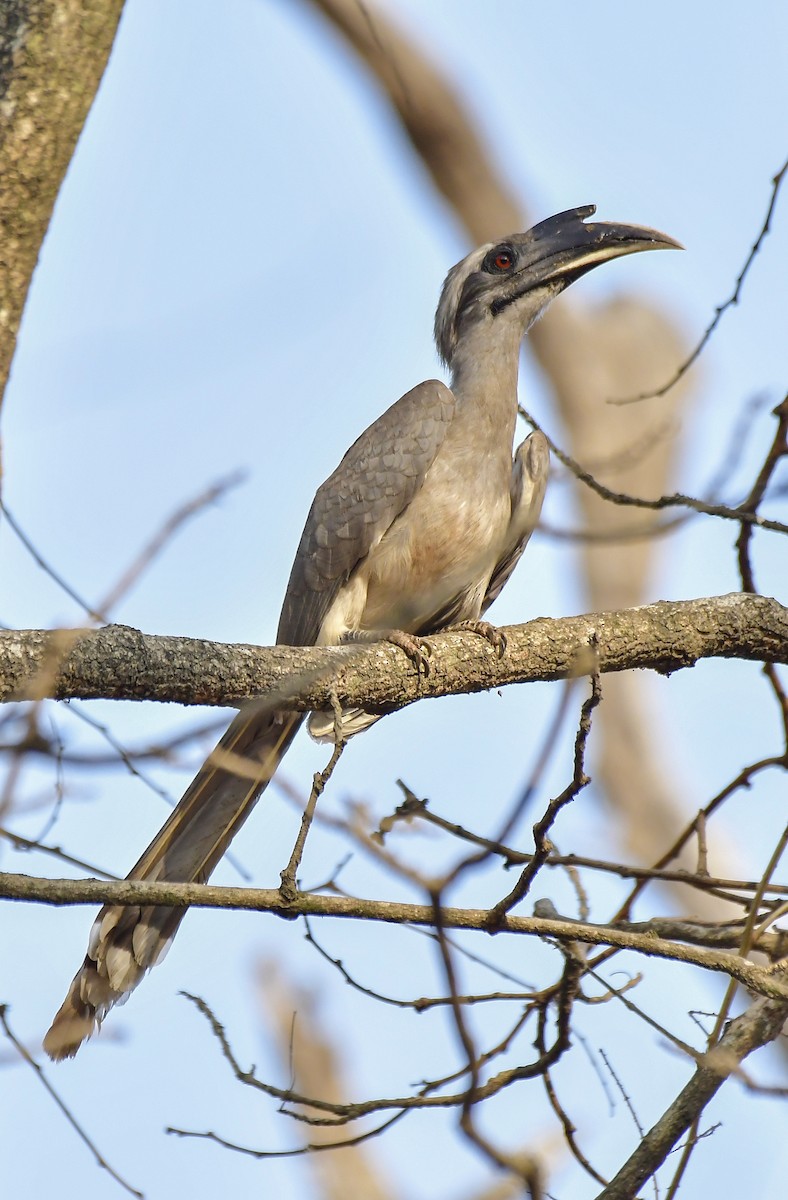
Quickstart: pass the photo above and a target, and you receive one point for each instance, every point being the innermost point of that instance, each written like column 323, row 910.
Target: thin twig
column 675, row 500
column 628, row 1102
column 99, row 613
column 413, row 806
column 542, row 846
column 28, row 844
column 543, row 758
column 721, row 308
column 423, row 1003
column 190, row 508
column 308, row 1148
column 759, row 1025
column 526, row 1166
column 34, row 1066
column 289, row 886
column 777, row 451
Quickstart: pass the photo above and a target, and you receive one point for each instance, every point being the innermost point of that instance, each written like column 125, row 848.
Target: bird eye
column 500, row 260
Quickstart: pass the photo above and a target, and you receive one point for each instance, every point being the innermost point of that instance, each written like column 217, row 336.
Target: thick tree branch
column 756, row 1027
column 120, row 663
column 52, row 56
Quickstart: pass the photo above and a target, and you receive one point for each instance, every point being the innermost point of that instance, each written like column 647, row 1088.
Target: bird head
column 513, row 280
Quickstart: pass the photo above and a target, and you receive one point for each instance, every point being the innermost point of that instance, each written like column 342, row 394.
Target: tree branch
column 767, row 981
column 120, row 663
column 52, row 56
column 760, row 1024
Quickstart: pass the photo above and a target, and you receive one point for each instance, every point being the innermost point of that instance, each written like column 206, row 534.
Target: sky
column 241, row 273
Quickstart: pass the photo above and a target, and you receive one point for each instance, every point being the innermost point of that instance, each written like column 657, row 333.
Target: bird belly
column 437, row 556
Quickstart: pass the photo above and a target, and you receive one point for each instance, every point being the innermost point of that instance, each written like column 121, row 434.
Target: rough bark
column 120, row 663
column 52, row 57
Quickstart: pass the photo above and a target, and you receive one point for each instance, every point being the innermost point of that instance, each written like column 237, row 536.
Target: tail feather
column 126, row 941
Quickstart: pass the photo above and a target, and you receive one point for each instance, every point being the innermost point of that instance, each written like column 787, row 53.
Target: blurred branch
column 313, row 1051
column 168, row 529
column 437, row 123
column 190, row 508
column 118, row 662
column 28, row 844
column 47, row 567
column 161, row 751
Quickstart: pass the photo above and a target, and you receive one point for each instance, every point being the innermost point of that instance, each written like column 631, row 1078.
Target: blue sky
column 242, row 272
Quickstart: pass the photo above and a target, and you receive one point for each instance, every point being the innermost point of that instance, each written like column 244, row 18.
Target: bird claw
column 418, row 649
column 490, row 633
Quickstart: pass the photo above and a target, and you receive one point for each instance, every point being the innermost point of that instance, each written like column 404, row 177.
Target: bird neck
column 484, row 373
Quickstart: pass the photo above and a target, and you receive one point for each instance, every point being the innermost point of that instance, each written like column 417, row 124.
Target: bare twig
column 541, row 843
column 29, row 844
column 777, row 451
column 742, row 780
column 321, row 778
column 415, row 807
column 675, row 500
column 308, row 1148
column 721, row 308
column 47, row 568
column 100, row 613
column 66, row 1111
column 190, row 508
column 423, row 1003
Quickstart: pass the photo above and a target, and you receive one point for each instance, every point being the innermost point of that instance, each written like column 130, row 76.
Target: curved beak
column 566, row 246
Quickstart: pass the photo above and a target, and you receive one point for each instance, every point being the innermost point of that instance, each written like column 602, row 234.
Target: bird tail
column 127, row 940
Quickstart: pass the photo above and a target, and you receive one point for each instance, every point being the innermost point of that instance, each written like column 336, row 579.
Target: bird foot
column 418, row 649
column 490, row 633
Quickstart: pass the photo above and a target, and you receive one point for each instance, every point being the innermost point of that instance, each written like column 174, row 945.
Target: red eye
column 503, row 261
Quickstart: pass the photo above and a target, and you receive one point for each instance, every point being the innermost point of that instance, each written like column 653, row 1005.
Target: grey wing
column 529, row 481
column 373, row 484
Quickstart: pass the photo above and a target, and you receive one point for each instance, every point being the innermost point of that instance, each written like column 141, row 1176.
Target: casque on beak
column 566, row 246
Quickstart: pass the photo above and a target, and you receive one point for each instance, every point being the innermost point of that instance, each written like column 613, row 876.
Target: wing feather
column 529, row 480
column 375, row 481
